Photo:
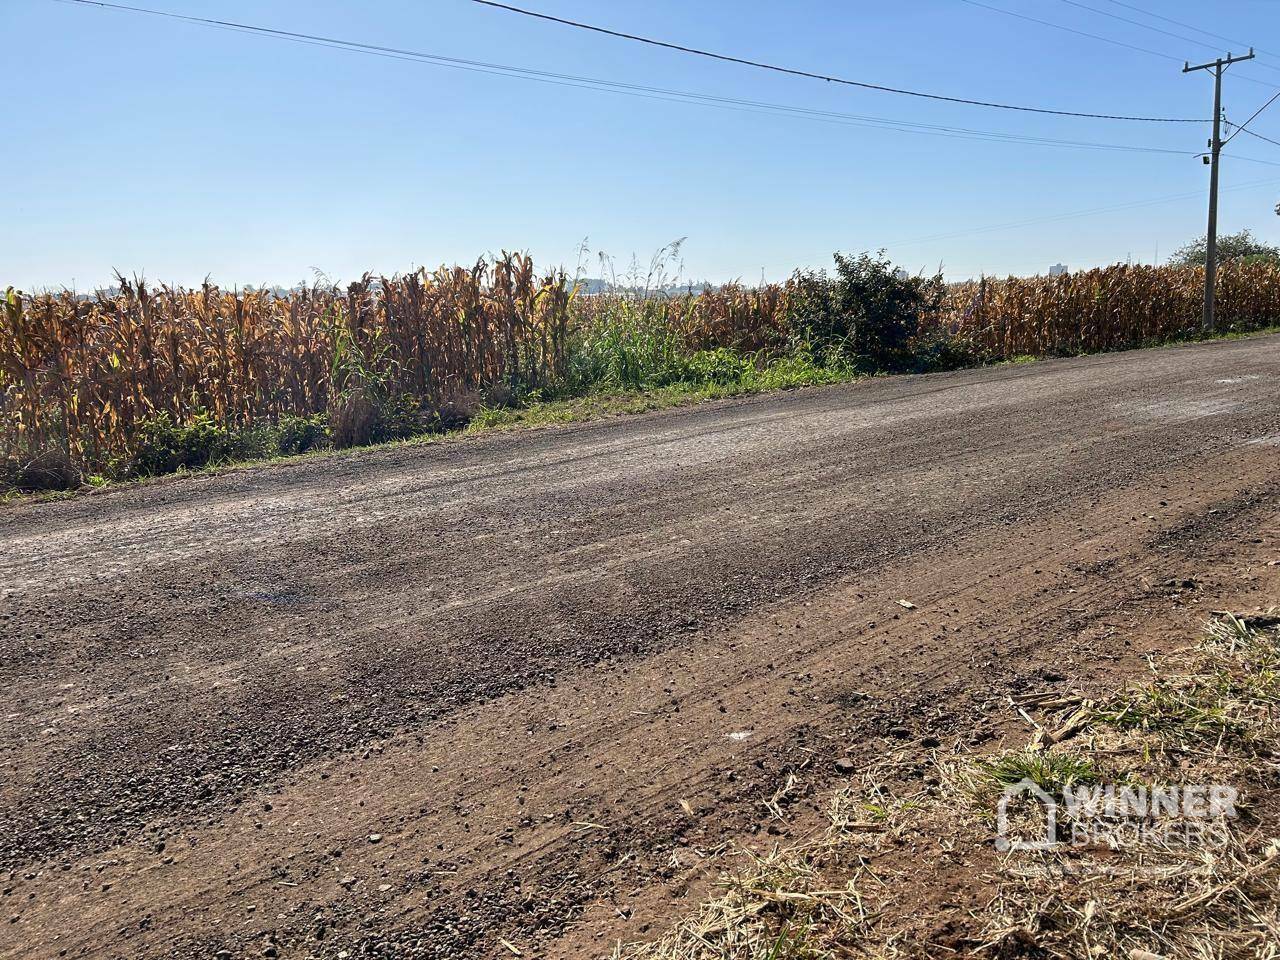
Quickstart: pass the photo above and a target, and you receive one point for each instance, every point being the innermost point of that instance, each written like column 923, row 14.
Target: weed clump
column 1051, row 771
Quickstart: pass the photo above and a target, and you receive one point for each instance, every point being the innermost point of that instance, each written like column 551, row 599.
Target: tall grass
column 625, row 340
column 626, row 343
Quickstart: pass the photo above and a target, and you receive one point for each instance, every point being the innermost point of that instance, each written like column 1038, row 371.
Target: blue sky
column 179, row 151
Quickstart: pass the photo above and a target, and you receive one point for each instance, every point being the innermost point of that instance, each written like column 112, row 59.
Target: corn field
column 1108, row 308
column 79, row 375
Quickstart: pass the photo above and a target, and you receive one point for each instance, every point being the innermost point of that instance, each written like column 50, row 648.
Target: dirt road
column 424, row 700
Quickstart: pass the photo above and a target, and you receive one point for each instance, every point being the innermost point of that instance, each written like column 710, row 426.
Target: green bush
column 811, row 308
column 868, row 311
column 401, row 416
column 165, row 446
column 1242, row 247
column 800, row 369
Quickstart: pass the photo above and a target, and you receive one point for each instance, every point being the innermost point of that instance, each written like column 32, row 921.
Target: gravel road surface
column 422, row 700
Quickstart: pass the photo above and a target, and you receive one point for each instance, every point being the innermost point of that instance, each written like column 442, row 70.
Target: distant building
column 1058, row 269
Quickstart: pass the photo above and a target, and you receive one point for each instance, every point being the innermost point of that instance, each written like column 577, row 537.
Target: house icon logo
column 1005, row 842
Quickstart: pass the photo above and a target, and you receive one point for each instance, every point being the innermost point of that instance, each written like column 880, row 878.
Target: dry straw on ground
column 859, row 891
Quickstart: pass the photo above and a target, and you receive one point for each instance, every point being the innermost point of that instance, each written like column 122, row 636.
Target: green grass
column 635, row 348
column 1217, row 704
column 1198, row 711
column 788, row 373
column 1051, row 771
column 1230, row 335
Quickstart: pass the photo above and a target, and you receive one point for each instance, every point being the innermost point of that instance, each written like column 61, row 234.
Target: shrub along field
column 140, row 381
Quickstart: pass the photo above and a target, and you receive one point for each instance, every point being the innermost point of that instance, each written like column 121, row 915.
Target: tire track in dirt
column 159, row 703
column 981, row 654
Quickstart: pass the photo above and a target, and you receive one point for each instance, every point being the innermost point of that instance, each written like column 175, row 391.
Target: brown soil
column 525, row 688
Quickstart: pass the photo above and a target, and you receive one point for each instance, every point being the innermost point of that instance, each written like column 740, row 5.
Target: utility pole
column 1215, row 151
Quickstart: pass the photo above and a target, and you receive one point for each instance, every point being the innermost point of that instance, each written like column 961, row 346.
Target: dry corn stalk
column 79, row 373
column 1109, row 308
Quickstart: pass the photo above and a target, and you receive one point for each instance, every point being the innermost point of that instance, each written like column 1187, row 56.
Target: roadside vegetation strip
column 785, row 373
column 1143, row 826
column 270, row 444
column 139, row 381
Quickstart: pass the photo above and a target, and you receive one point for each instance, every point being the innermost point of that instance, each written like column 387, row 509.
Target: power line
column 1188, row 26
column 1078, row 33
column 1252, row 159
column 1242, row 126
column 726, row 58
column 642, row 91
column 1167, row 33
column 1095, row 36
column 1136, row 23
column 1253, row 133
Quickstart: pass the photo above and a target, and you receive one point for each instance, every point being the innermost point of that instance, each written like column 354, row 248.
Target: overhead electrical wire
column 1138, row 23
column 1254, row 133
column 646, row 92
column 1095, row 36
column 1242, row 127
column 1188, row 26
column 1236, row 156
column 1167, row 33
column 754, row 106
column 792, row 71
column 1065, row 29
